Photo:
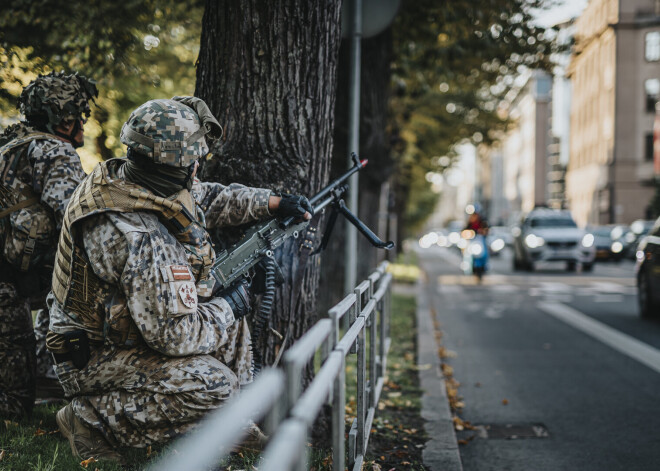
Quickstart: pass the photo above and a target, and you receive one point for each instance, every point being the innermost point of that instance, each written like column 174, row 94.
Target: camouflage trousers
column 138, row 396
column 45, row 367
column 17, row 354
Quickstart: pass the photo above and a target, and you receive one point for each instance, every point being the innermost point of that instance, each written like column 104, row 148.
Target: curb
column 441, row 451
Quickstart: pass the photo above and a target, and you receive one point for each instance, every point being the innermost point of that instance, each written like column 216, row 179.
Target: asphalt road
column 562, row 357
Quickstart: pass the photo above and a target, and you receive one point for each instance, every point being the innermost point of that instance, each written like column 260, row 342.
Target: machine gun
column 261, row 240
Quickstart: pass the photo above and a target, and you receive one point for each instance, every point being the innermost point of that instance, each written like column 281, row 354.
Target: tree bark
column 267, row 70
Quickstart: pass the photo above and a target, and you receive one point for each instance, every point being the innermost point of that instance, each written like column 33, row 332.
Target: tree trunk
column 374, row 146
column 267, row 70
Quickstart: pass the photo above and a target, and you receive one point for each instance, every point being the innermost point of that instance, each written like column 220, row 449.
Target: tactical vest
column 75, row 286
column 23, row 242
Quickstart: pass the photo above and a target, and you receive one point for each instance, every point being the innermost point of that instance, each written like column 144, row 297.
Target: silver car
column 546, row 235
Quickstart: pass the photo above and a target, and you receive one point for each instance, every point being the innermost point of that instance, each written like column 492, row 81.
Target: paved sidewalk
column 441, row 451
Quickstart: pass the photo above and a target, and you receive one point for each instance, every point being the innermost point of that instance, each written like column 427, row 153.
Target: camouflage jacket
column 147, row 273
column 50, row 167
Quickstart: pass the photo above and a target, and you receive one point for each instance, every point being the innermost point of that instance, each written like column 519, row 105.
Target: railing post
column 361, row 392
column 339, row 419
column 373, row 380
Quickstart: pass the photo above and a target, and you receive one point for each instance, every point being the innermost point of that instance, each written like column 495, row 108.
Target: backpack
column 27, row 228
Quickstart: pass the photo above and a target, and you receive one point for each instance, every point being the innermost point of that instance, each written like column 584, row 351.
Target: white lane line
column 619, row 341
column 450, row 289
column 608, row 298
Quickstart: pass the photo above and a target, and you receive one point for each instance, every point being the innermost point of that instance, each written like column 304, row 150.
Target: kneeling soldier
column 142, row 345
column 39, row 170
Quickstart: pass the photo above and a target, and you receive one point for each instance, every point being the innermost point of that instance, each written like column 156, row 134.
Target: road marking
column 504, row 288
column 619, row 341
column 450, row 289
column 494, row 312
column 608, row 298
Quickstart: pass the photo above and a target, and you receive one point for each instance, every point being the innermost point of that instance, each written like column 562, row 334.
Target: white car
column 546, row 235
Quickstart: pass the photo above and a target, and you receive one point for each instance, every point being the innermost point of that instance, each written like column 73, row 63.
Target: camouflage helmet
column 50, row 99
column 166, row 131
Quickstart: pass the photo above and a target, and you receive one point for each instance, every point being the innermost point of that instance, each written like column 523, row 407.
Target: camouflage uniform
column 164, row 351
column 40, row 166
column 51, row 168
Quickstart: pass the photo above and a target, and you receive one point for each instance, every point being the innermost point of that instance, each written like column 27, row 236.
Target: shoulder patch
column 188, row 295
column 173, row 273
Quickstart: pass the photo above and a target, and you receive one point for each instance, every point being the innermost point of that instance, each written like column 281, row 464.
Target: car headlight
column 533, row 241
column 476, row 249
column 497, row 245
column 639, row 255
column 617, row 247
column 588, row 240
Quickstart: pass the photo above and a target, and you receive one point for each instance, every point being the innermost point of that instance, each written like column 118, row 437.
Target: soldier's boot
column 255, row 440
column 85, row 441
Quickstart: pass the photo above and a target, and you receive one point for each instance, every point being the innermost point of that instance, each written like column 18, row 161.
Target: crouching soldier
column 143, row 346
column 39, row 170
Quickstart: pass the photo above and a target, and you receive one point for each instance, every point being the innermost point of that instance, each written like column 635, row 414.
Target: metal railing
column 288, row 412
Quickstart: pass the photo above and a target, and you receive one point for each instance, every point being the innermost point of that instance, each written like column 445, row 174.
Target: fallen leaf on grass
column 394, row 394
column 85, row 463
column 2, row 455
column 392, row 385
column 39, row 432
column 149, row 450
column 424, row 367
column 9, row 423
column 505, row 401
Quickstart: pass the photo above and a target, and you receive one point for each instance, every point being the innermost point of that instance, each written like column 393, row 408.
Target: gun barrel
column 357, row 165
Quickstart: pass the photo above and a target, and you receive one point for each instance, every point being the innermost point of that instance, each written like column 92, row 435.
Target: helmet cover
column 56, row 97
column 166, row 131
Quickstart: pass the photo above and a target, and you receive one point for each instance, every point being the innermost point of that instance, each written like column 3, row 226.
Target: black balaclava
column 162, row 180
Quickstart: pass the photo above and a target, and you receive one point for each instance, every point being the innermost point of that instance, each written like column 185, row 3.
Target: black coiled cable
column 263, row 315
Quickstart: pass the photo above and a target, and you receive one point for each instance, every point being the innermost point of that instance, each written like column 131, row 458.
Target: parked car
column 638, row 229
column 622, row 240
column 552, row 235
column 648, row 272
column 605, row 247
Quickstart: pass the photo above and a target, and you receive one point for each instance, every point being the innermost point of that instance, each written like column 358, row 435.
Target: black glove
column 238, row 298
column 294, row 205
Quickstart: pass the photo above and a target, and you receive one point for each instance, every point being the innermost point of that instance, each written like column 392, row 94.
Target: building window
column 652, row 88
column 648, row 147
column 652, row 46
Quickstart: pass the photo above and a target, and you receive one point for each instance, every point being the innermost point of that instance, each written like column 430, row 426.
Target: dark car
column 603, row 242
column 648, row 272
column 638, row 230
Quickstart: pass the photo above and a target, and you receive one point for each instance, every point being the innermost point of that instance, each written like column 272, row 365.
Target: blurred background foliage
column 136, row 50
column 453, row 64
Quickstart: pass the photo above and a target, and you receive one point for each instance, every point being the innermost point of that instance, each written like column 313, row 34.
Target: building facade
column 518, row 165
column 615, row 75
